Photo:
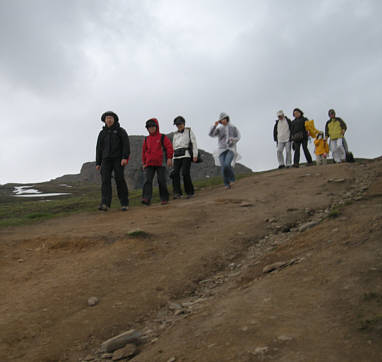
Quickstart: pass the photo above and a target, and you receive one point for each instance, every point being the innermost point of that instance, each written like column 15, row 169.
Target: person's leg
column 119, row 176
column 186, row 168
column 147, row 191
column 296, row 157
column 324, row 160
column 222, row 158
column 228, row 166
column 106, row 169
column 306, row 151
column 341, row 150
column 176, row 177
column 335, row 150
column 162, row 182
column 288, row 147
column 318, row 160
column 280, row 156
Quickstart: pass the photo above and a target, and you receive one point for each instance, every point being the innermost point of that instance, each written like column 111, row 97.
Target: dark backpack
column 349, row 157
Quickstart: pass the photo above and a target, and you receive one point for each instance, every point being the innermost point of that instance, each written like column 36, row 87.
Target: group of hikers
column 158, row 154
column 293, row 134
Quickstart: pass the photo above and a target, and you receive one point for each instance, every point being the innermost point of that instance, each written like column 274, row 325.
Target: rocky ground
column 286, row 266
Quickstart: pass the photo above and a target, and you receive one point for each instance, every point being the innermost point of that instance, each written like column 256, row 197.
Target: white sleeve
column 194, row 144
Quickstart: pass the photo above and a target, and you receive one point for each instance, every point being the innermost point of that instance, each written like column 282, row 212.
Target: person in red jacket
column 157, row 152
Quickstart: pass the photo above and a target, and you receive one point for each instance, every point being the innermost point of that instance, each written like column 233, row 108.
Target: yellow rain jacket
column 311, row 129
column 335, row 128
column 321, row 146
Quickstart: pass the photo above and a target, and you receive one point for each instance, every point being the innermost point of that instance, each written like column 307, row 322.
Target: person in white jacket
column 183, row 142
column 226, row 155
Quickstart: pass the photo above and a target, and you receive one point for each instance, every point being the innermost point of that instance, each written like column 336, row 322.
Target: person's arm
column 99, row 151
column 194, row 146
column 169, row 150
column 144, row 149
column 236, row 137
column 125, row 147
column 214, row 131
column 275, row 132
column 327, row 130
column 343, row 125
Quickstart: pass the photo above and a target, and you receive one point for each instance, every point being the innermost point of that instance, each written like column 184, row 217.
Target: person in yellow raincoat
column 321, row 149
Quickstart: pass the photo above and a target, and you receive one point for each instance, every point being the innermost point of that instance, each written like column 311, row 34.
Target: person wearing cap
column 226, row 155
column 282, row 137
column 335, row 129
column 299, row 137
column 157, row 152
column 183, row 139
column 112, row 154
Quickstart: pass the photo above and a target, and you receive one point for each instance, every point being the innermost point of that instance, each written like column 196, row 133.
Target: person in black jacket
column 300, row 137
column 112, row 154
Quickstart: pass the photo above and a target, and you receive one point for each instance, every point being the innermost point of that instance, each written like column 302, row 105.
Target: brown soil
column 209, row 252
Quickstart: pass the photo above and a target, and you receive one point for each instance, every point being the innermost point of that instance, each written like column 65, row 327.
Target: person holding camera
column 226, row 155
column 184, row 144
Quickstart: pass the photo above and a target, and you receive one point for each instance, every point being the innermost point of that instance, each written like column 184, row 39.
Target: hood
column 110, row 113
column 157, row 123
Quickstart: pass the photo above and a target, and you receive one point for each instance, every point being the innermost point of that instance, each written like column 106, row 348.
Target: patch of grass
column 138, row 233
column 372, row 296
column 334, row 213
column 83, row 198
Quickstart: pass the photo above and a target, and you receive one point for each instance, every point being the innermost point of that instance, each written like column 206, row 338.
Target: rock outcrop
column 134, row 172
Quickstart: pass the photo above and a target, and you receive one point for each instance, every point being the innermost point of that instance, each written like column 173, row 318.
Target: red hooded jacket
column 152, row 150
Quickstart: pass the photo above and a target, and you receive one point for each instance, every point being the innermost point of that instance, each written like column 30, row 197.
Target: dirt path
column 323, row 304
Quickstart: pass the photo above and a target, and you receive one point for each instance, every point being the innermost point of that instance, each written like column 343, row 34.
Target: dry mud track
column 323, row 303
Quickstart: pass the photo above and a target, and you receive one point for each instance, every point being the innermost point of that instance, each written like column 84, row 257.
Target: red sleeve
column 144, row 152
column 168, row 147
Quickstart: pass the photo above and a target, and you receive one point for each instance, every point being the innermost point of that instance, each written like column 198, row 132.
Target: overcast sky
column 64, row 62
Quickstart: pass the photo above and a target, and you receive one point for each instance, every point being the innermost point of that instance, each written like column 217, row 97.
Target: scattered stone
column 179, row 311
column 358, row 198
column 308, row 225
column 20, row 260
column 335, row 230
column 125, row 352
column 246, row 204
column 272, row 267
column 107, row 356
column 284, row 338
column 120, row 341
column 244, row 329
column 260, row 350
column 174, row 306
column 89, row 358
column 172, row 359
column 92, row 301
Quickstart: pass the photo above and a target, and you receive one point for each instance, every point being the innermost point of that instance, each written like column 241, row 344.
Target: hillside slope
column 201, row 282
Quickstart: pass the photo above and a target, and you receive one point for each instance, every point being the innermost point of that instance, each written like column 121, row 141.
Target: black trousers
column 107, row 167
column 296, row 157
column 184, row 165
column 147, row 192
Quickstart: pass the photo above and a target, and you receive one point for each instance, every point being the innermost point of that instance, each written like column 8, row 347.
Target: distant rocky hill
column 134, row 172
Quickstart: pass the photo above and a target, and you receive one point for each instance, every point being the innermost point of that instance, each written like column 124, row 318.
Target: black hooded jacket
column 298, row 125
column 112, row 142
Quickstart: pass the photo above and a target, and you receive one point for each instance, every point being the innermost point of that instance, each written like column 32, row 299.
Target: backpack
column 349, row 157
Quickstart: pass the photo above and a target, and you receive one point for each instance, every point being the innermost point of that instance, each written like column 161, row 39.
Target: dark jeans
column 183, row 164
column 107, row 167
column 148, row 183
column 296, row 157
column 225, row 161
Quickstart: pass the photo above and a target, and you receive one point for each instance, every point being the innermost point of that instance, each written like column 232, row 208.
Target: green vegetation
column 83, row 198
column 334, row 213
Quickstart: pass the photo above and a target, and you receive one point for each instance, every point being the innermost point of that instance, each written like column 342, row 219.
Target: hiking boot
column 189, row 196
column 102, row 207
column 281, row 166
column 164, row 202
column 177, row 196
column 124, row 208
column 295, row 165
column 146, row 202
